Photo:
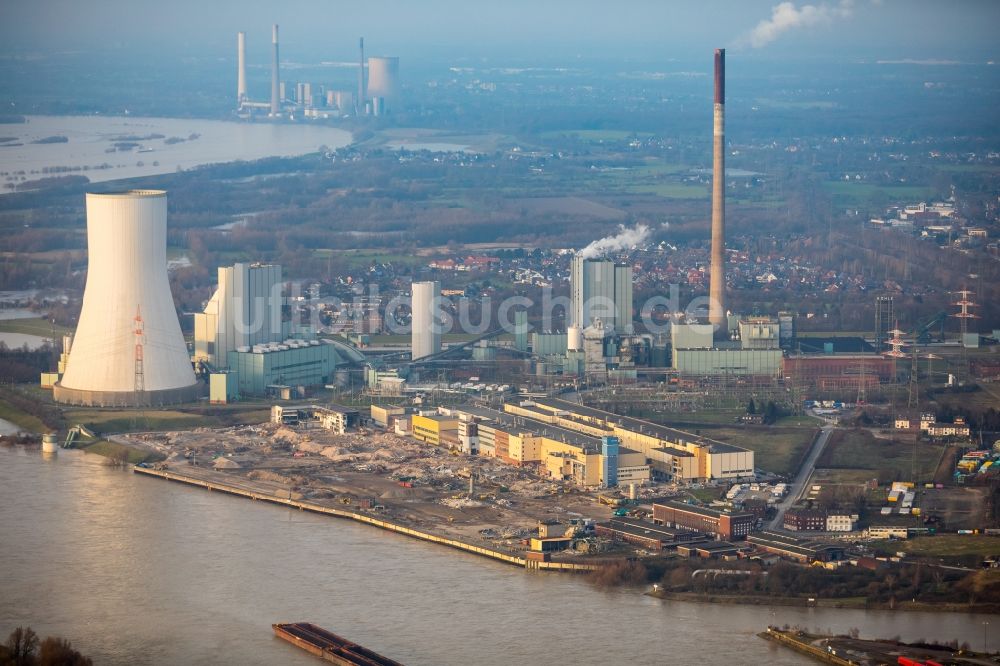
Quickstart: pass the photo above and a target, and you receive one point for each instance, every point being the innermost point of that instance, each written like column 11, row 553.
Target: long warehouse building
column 672, row 454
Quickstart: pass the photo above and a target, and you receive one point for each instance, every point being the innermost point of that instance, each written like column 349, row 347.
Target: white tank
column 50, row 444
column 127, row 291
column 574, row 338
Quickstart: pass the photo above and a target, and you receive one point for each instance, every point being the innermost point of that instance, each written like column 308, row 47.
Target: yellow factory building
column 556, row 453
column 434, row 429
column 671, row 453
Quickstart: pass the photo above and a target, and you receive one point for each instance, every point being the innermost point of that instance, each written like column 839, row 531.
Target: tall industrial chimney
column 717, row 280
column 241, row 68
column 359, row 104
column 275, row 81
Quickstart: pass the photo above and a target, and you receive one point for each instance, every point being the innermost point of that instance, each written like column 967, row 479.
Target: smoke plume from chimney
column 787, row 17
column 625, row 239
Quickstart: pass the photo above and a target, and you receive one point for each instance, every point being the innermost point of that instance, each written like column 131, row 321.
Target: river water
column 136, row 570
column 204, row 142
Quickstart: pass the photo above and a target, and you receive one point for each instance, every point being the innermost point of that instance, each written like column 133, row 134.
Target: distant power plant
column 128, row 349
column 377, row 92
column 425, row 335
column 717, row 277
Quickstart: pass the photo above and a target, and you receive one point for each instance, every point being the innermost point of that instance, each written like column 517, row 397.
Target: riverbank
column 855, row 603
column 851, row 650
column 259, row 491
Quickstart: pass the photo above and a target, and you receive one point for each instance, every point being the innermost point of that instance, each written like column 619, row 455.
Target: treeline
column 24, row 648
column 24, row 365
column 884, row 586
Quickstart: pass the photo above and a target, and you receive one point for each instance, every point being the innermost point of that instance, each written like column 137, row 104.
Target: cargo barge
column 329, row 646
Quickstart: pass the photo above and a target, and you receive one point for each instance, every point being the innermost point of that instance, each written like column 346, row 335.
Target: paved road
column 798, row 485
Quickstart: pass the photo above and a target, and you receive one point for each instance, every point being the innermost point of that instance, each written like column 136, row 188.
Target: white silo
column 241, row 68
column 128, row 349
column 425, row 327
column 383, row 81
column 574, row 338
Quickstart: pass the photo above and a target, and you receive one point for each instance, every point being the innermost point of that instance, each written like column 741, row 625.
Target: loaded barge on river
column 328, row 645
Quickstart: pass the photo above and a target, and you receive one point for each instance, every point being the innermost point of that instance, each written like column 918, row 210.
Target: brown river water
column 137, row 570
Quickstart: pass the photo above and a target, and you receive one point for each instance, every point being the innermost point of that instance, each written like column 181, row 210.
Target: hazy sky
column 523, row 29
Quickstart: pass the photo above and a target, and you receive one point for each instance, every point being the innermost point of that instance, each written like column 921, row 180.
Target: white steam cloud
column 625, row 238
column 786, row 17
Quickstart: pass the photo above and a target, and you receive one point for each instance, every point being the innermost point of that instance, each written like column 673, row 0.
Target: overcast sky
column 521, row 29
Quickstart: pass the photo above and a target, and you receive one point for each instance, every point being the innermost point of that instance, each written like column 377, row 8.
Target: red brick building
column 724, row 525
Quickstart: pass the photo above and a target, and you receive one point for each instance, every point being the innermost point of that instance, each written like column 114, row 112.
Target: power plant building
column 263, row 368
column 128, row 349
column 600, row 289
column 731, row 362
column 244, row 311
column 425, row 335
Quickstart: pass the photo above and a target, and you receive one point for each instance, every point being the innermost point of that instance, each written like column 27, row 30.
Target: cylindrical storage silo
column 128, row 349
column 574, row 338
column 50, row 443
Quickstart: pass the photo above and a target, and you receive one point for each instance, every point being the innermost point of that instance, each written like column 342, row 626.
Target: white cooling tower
column 425, row 337
column 383, row 80
column 128, row 349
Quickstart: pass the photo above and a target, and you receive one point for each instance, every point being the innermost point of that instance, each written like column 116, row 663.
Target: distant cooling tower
column 383, row 80
column 128, row 349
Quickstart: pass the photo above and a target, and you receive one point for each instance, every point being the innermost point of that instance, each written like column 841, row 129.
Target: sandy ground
column 369, row 468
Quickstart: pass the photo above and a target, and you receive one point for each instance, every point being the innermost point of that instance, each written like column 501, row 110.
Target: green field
column 356, row 259
column 595, row 135
column 130, row 420
column 20, row 419
column 706, row 416
column 777, row 450
column 944, row 545
column 861, row 450
column 671, row 190
column 799, row 421
column 114, row 451
column 853, row 193
column 34, row 326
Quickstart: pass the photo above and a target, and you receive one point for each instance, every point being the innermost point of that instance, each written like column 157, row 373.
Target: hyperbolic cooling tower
column 383, row 79
column 128, row 349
